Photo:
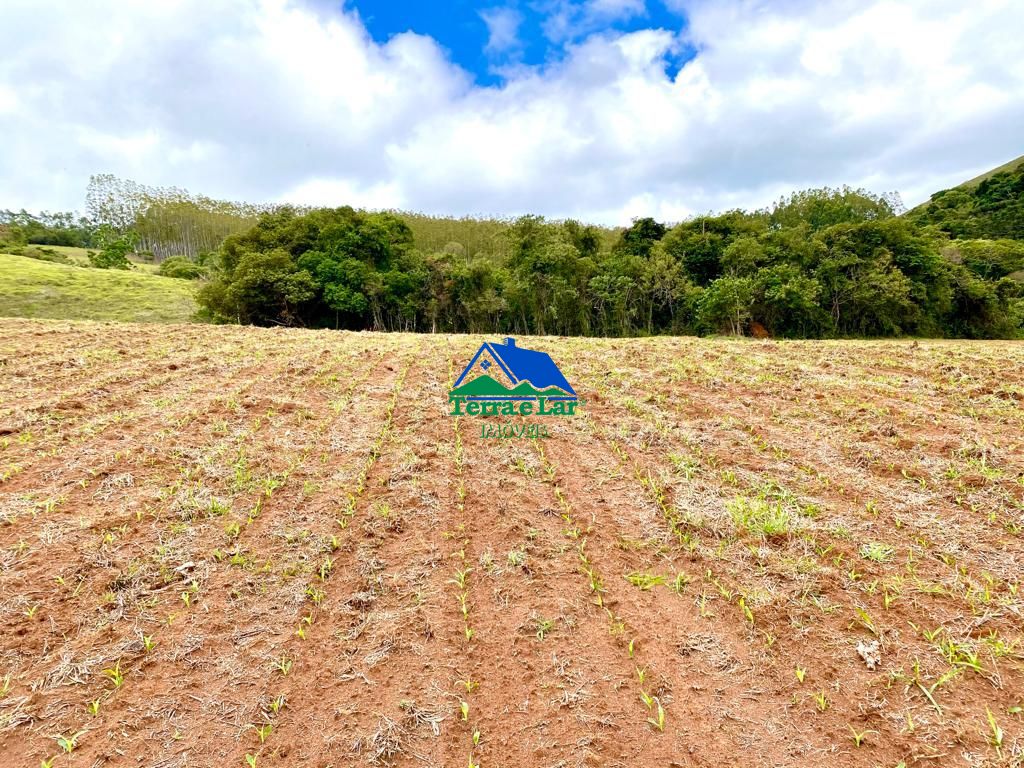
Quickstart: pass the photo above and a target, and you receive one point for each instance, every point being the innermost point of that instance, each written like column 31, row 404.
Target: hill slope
column 989, row 206
column 1004, row 168
column 33, row 288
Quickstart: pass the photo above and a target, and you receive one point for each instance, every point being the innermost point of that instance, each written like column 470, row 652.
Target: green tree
column 787, row 302
column 820, row 209
column 114, row 249
column 743, row 256
column 266, row 288
column 726, row 305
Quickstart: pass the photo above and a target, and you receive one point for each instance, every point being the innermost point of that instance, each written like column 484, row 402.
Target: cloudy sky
column 598, row 109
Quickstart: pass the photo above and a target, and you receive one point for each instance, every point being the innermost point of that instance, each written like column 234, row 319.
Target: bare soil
column 232, row 546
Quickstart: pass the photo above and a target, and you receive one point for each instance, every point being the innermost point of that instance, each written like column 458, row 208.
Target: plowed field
column 226, row 546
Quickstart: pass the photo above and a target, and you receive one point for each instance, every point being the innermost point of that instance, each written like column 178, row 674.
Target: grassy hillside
column 81, row 256
column 1005, row 167
column 33, row 288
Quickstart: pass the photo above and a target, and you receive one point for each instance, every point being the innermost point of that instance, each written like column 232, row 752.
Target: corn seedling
column 94, row 707
column 702, row 606
column 543, row 627
column 929, row 693
column 464, row 709
column 263, row 731
column 115, row 675
column 218, row 508
column 865, row 620
column 747, row 613
column 645, row 580
column 250, row 760
column 961, row 655
column 877, row 552
column 325, row 568
column 800, row 674
column 995, row 736
column 931, row 636
column 888, row 598
column 821, row 701
column 460, row 578
column 858, row 738
column 282, row 665
column 148, row 643
column 724, row 591
column 658, row 721
column 69, row 743
column 680, row 582
column 47, row 762
column 277, row 704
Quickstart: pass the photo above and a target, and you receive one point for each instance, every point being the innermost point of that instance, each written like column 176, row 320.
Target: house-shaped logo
column 506, row 379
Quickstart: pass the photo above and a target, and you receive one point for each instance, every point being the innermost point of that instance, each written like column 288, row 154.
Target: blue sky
column 488, row 38
column 601, row 110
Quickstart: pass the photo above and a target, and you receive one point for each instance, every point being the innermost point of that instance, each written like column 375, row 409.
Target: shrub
column 45, row 254
column 36, row 252
column 181, row 267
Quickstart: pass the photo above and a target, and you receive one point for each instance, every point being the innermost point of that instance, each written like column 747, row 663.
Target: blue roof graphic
column 521, row 364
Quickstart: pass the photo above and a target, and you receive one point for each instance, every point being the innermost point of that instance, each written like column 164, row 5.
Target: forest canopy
column 820, row 263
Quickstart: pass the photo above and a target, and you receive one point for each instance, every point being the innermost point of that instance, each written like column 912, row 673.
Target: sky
column 601, row 110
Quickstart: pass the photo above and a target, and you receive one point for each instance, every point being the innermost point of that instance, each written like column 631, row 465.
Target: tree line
column 167, row 221
column 61, row 228
column 820, row 263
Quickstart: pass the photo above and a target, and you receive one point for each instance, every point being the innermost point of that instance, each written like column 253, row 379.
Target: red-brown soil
column 229, row 545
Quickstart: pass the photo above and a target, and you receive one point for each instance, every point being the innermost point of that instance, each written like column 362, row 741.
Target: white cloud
column 574, row 19
column 271, row 100
column 615, row 9
column 502, row 29
column 334, row 192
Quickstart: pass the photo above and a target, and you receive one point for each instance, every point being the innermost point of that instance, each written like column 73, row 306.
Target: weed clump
column 759, row 517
